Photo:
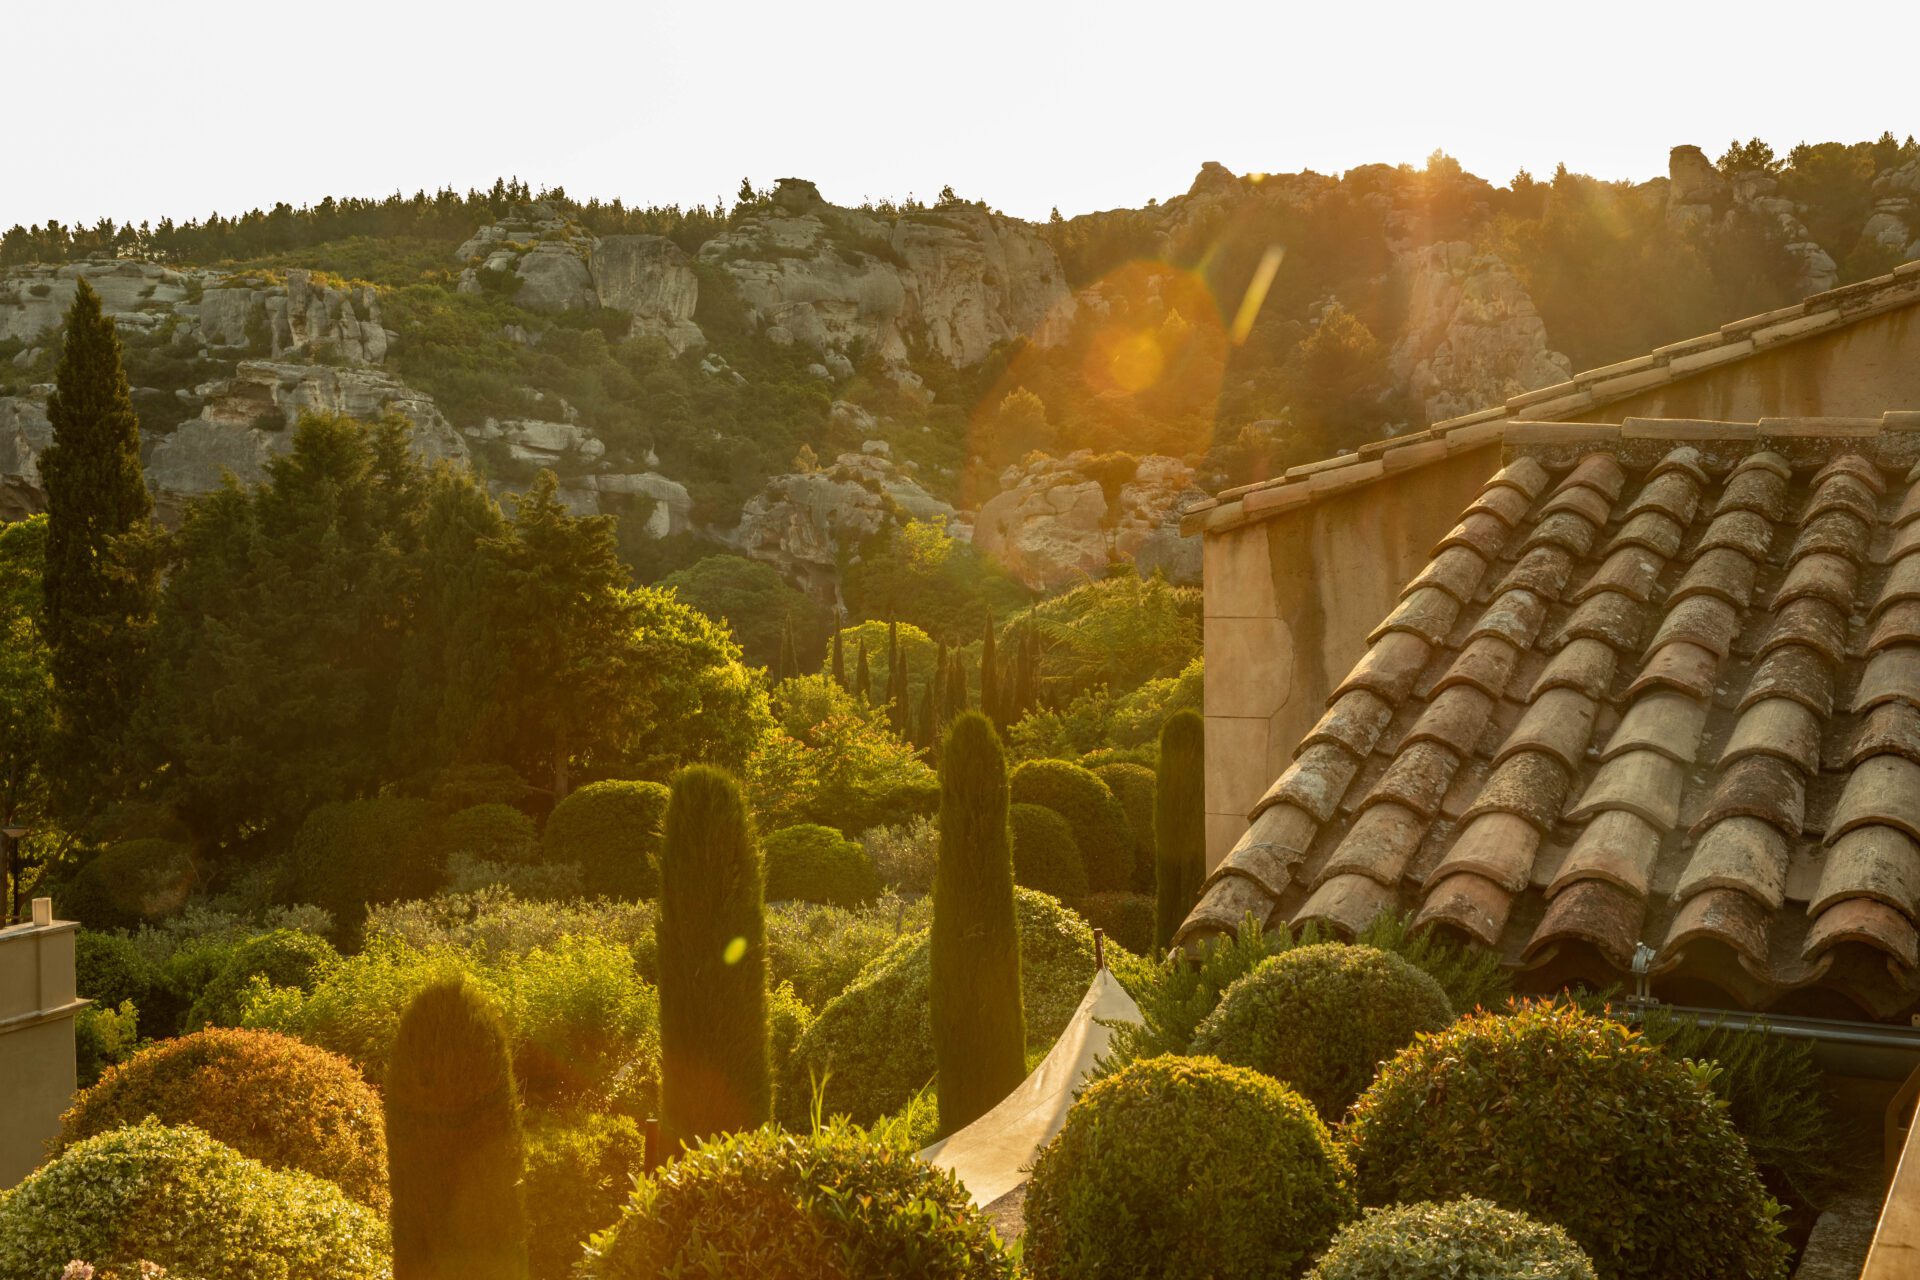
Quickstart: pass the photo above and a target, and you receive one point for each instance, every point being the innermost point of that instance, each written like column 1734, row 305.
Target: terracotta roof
column 1593, row 389
column 1660, row 686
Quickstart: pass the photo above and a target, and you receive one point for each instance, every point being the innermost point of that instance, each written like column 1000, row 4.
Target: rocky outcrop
column 1058, row 521
column 649, row 278
column 1701, row 200
column 1472, row 336
column 1892, row 230
column 536, row 257
column 24, row 435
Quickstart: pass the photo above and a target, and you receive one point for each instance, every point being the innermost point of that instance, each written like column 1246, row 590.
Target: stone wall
column 37, row 1007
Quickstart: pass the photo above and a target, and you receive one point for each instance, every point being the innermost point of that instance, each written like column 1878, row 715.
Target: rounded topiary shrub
column 1127, row 918
column 128, row 884
column 1460, row 1240
column 773, row 1203
column 1098, row 823
column 284, row 957
column 193, row 1205
column 108, row 968
column 612, row 831
column 1185, row 1167
column 579, row 1172
column 812, row 863
column 1572, row 1119
column 1132, row 785
column 269, row 1097
column 353, row 853
column 1323, row 1018
column 873, row 1043
column 491, row 833
column 1045, row 855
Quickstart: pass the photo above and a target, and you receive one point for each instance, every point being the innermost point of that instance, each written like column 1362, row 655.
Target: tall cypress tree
column 979, row 1027
column 863, row 678
column 454, row 1148
column 789, row 657
column 99, row 597
column 715, row 1076
column 899, row 709
column 1179, row 823
column 990, row 678
column 956, row 700
column 839, row 653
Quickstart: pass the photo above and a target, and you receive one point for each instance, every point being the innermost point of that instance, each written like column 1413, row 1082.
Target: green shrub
column 128, row 884
column 1570, row 1118
column 491, row 833
column 905, row 855
column 455, row 1152
column 1098, row 823
column 873, row 1043
column 1461, row 1240
column 354, row 853
column 585, row 1027
column 820, row 950
column 1127, row 918
column 833, row 1204
column 1185, row 1167
column 284, row 957
column 103, row 1036
column 1183, row 989
column 1046, row 857
column 788, row 1018
column 580, row 1170
column 1472, row 975
column 612, row 832
column 189, row 1203
column 1132, row 785
column 109, row 968
column 269, row 1097
column 812, row 863
column 493, row 925
column 1322, row 1019
column 1179, row 822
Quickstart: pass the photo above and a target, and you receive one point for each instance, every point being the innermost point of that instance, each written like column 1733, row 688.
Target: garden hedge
column 1127, row 918
column 1459, row 1240
column 1098, row 823
column 612, row 831
column 1045, row 855
column 812, row 863
column 284, row 957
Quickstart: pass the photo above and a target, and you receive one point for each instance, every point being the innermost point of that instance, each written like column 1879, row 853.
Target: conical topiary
column 1179, row 822
column 454, row 1151
column 990, row 677
column 979, row 1028
column 715, row 1076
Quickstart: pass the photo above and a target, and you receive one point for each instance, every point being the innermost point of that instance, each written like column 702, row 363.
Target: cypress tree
column 1020, row 700
column 863, row 680
column 99, row 603
column 715, row 1076
column 454, row 1150
column 899, row 711
column 839, row 654
column 990, row 678
column 979, row 1028
column 956, row 701
column 789, row 659
column 1179, row 822
column 927, row 723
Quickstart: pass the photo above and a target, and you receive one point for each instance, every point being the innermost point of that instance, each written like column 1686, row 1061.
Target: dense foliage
column 1463, row 1239
column 1046, row 857
column 580, row 1170
column 611, row 830
column 1098, row 823
column 812, row 863
column 1179, row 823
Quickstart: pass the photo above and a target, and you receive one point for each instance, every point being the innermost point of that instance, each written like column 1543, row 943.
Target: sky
column 197, row 105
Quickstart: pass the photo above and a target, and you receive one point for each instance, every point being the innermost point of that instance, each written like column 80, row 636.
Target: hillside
column 797, row 381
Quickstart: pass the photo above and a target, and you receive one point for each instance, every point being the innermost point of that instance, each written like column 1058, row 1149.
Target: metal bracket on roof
column 1642, row 965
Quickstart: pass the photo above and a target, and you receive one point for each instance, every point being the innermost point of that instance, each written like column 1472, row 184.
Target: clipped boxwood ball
column 1098, row 823
column 270, row 1097
column 1572, row 1119
column 1045, row 855
column 1133, row 786
column 1185, row 1167
column 812, row 863
column 1461, row 1240
column 834, row 1205
column 1323, row 1018
column 193, row 1205
column 128, row 884
column 1127, row 918
column 612, row 831
column 284, row 957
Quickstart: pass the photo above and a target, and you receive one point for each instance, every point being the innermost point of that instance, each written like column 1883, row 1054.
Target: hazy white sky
column 178, row 108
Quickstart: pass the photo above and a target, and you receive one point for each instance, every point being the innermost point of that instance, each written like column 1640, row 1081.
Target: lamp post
column 11, row 835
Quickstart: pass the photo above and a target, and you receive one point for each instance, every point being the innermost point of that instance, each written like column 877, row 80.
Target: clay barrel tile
column 1764, row 787
column 1758, row 491
column 1428, row 613
column 1455, row 718
column 1596, row 912
column 1819, row 576
column 1721, row 915
column 1905, row 541
column 1903, row 583
column 1892, row 729
column 1632, row 570
column 1740, row 853
column 1657, row 531
column 1883, row 791
column 1315, row 782
column 1891, row 675
column 1470, row 903
column 1417, row 778
column 1612, row 616
column 1515, row 616
column 1531, row 785
column 1871, row 862
column 1480, row 532
column 1542, row 570
column 1380, row 843
column 1560, row 723
column 1600, row 472
column 1745, row 531
column 1586, row 665
column 1685, row 459
column 1862, row 920
column 1723, row 573
column 1269, row 850
column 1581, row 501
column 1856, row 466
column 1841, row 493
column 1678, row 665
column 1618, row 847
column 1389, row 668
column 1839, row 532
column 1223, row 904
column 1660, row 720
column 1568, row 529
column 1899, row 625
column 1764, row 460
column 1675, row 493
column 1909, row 507
column 1485, row 664
column 1810, row 622
column 1641, row 782
column 1776, row 727
column 1355, row 721
column 1706, row 621
column 1498, row 846
column 1795, row 672
column 1506, row 504
column 1525, row 474
column 1348, row 904
column 1456, row 571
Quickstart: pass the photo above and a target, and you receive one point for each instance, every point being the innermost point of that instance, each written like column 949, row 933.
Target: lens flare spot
column 736, row 951
column 1135, row 361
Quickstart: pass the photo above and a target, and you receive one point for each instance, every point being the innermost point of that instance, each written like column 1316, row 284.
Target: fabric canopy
column 990, row 1156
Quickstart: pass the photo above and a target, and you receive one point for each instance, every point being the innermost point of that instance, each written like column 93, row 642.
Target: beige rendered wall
column 37, row 1006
